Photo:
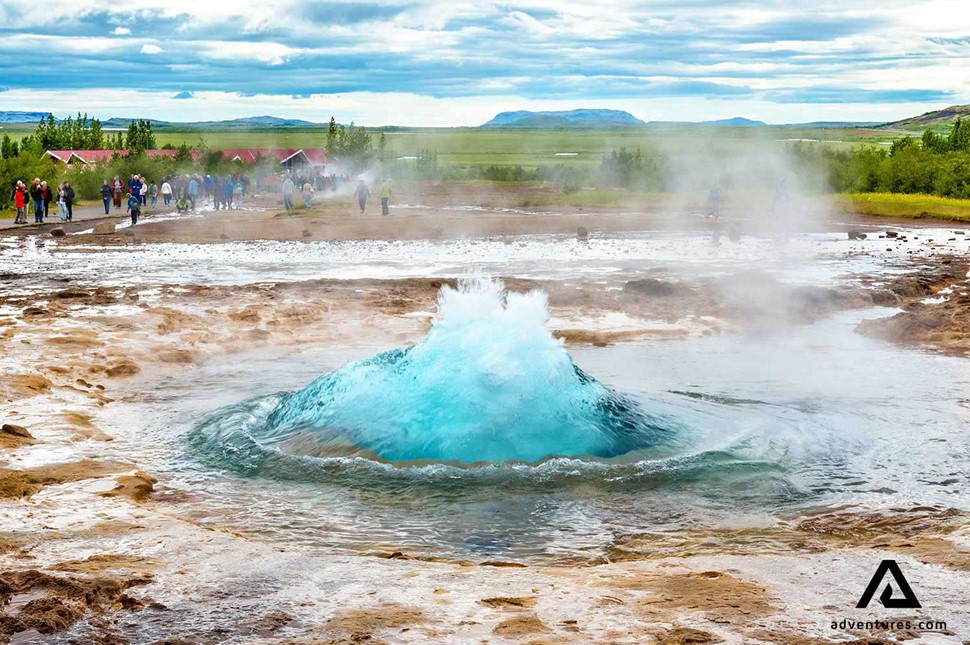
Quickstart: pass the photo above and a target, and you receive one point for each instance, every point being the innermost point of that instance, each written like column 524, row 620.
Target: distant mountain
column 245, row 122
column 564, row 119
column 937, row 117
column 22, row 117
column 121, row 123
column 736, row 122
column 833, row 124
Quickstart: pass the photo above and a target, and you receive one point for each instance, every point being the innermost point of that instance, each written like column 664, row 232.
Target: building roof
column 313, row 156
column 94, row 156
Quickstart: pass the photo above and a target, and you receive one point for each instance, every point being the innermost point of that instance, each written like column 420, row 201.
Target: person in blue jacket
column 193, row 191
column 134, row 206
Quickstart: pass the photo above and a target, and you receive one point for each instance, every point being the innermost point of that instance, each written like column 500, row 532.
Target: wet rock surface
column 56, row 602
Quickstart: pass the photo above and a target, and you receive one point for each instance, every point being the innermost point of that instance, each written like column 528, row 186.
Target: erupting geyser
column 488, row 383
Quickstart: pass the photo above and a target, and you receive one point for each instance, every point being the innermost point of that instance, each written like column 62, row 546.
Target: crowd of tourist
column 39, row 196
column 186, row 191
column 310, row 186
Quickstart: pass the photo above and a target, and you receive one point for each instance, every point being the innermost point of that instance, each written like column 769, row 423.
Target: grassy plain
column 526, row 148
column 901, row 205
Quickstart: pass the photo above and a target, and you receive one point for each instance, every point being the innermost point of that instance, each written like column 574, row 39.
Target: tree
column 332, row 136
column 8, row 148
column 381, row 147
column 960, row 136
column 147, row 136
column 133, row 137
column 96, row 136
column 183, row 154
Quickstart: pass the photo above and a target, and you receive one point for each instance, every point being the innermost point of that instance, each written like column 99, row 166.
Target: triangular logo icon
column 908, row 601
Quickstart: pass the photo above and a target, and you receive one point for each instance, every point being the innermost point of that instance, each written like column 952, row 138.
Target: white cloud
column 150, row 49
column 121, row 31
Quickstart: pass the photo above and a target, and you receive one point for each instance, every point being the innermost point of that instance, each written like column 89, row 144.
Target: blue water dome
column 489, row 383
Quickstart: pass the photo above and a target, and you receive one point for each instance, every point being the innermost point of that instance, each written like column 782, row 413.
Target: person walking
column 385, row 196
column 117, row 191
column 61, row 203
column 134, row 207
column 166, row 192
column 714, row 201
column 288, row 193
column 69, row 196
column 106, row 194
column 37, row 197
column 362, row 193
column 307, row 195
column 153, row 193
column 20, row 202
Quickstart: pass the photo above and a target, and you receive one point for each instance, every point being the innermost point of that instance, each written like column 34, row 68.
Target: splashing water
column 488, row 383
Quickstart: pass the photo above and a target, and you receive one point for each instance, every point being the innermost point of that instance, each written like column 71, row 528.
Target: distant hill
column 246, row 122
column 833, row 124
column 564, row 119
column 22, row 117
column 736, row 122
column 937, row 117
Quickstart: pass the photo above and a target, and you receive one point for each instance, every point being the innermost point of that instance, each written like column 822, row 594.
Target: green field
column 526, row 148
column 900, row 205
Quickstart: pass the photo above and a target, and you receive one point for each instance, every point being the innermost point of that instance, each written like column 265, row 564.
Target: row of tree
column 933, row 164
column 81, row 133
column 352, row 144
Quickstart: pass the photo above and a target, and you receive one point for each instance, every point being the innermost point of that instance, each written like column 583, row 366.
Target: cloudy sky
column 446, row 62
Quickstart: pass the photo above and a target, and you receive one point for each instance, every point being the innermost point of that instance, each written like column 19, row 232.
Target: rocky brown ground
column 68, row 352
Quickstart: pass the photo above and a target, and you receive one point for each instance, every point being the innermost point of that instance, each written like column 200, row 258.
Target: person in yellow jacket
column 385, row 196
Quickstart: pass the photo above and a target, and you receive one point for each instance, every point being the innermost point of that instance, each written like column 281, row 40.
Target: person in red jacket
column 20, row 203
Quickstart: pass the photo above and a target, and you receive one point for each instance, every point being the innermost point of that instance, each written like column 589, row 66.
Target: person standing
column 134, row 187
column 288, row 193
column 37, row 197
column 307, row 195
column 207, row 189
column 134, row 207
column 217, row 193
column 106, row 194
column 61, row 203
column 117, row 191
column 714, row 202
column 166, row 192
column 153, row 193
column 47, row 195
column 69, row 196
column 362, row 193
column 385, row 196
column 228, row 188
column 20, row 202
column 193, row 191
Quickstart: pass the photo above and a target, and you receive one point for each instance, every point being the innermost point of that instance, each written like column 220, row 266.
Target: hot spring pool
column 509, row 447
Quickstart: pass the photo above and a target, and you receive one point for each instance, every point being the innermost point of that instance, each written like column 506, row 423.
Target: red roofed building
column 290, row 158
column 97, row 156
